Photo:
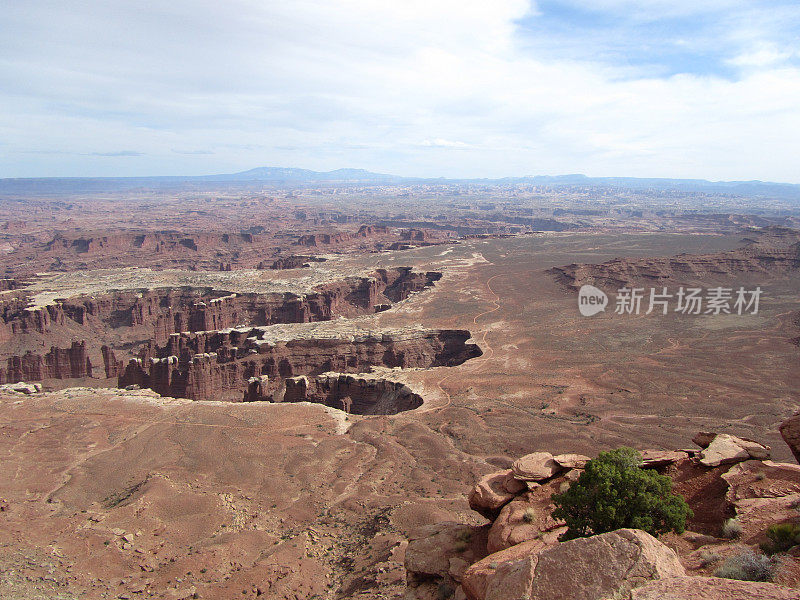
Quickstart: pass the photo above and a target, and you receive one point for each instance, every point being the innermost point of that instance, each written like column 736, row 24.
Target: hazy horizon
column 590, row 178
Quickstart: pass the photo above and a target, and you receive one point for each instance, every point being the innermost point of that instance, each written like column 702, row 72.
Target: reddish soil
column 121, row 493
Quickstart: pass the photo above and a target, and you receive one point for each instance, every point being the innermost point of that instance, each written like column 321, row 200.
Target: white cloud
column 326, row 84
column 762, row 55
column 441, row 143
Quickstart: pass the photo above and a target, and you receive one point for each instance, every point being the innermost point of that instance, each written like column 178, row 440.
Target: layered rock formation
column 353, row 394
column 774, row 252
column 16, row 317
column 155, row 314
column 57, row 363
column 156, row 242
column 219, row 365
column 200, row 240
column 169, row 310
column 290, row 262
column 313, row 240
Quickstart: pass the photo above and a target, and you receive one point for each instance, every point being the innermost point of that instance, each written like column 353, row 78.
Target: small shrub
column 707, row 557
column 732, row 529
column 529, row 515
column 781, row 537
column 460, row 546
column 747, row 566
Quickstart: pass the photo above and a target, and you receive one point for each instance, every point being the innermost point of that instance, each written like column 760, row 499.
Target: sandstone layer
column 219, row 365
column 772, row 253
column 96, row 327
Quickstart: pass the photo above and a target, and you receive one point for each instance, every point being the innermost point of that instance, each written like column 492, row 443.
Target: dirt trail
column 488, row 351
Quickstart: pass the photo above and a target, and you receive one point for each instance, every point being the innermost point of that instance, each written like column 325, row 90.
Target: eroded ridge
column 92, row 336
column 356, row 394
column 252, row 364
column 773, row 252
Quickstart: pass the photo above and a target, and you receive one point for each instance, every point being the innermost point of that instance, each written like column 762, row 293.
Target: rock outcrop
column 525, row 559
column 504, row 574
column 790, row 432
column 590, row 568
column 662, row 458
column 723, row 448
column 313, row 240
column 493, row 491
column 537, row 466
column 156, row 314
column 57, row 363
column 437, row 556
column 21, row 388
column 527, row 517
column 571, row 461
column 158, row 242
column 353, row 394
column 775, row 252
column 218, row 365
column 290, row 262
column 170, row 310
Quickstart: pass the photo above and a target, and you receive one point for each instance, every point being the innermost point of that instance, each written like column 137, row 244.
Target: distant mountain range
column 304, row 175
column 298, row 177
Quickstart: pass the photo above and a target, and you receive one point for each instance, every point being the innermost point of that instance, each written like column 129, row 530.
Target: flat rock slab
column 712, row 588
column 572, row 461
column 662, row 458
column 536, row 466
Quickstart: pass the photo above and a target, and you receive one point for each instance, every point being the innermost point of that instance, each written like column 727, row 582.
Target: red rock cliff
column 220, row 365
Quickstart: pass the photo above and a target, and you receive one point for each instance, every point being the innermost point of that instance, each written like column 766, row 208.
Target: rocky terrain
column 101, row 329
column 197, row 250
column 312, row 376
column 518, row 555
column 65, row 226
column 246, row 364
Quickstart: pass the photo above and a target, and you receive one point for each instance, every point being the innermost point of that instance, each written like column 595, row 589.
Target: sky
column 643, row 88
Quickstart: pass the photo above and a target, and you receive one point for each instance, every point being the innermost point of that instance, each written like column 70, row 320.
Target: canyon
column 224, row 365
column 204, row 343
column 279, row 391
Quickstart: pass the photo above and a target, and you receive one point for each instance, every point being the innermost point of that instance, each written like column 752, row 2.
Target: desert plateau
column 241, row 413
column 419, row 300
